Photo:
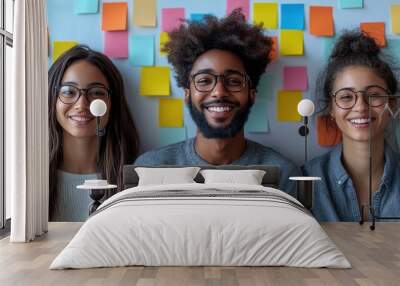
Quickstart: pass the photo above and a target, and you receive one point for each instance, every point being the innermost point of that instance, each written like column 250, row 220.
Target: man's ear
column 187, row 95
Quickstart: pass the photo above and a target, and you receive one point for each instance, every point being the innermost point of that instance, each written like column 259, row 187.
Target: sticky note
column 154, row 81
column 393, row 49
column 395, row 17
column 329, row 43
column 295, row 78
column 172, row 18
column 170, row 113
column 291, row 43
column 115, row 16
column 265, row 87
column 197, row 17
column 163, row 39
column 116, row 44
column 258, row 117
column 60, row 47
column 234, row 4
column 351, row 4
column 321, row 21
column 145, row 13
column 273, row 55
column 167, row 136
column 327, row 132
column 292, row 16
column 266, row 13
column 375, row 30
column 141, row 50
column 287, row 105
column 86, row 6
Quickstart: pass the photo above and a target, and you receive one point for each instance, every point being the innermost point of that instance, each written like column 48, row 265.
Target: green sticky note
column 258, row 117
column 265, row 87
column 86, row 6
column 169, row 136
column 351, row 4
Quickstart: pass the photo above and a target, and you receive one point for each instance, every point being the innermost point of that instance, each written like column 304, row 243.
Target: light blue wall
column 65, row 25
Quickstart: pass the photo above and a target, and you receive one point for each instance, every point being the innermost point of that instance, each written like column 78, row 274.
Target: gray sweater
column 72, row 204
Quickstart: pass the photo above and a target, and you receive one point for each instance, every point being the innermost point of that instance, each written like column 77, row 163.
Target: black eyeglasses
column 206, row 82
column 69, row 94
column 374, row 96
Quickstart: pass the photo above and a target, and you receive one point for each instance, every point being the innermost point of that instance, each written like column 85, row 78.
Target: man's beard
column 233, row 128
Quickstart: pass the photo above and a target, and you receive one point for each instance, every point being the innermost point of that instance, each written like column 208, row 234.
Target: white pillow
column 248, row 177
column 163, row 176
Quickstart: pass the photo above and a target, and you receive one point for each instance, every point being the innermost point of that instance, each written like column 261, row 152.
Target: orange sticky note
column 273, row 55
column 115, row 16
column 321, row 21
column 375, row 30
column 327, row 131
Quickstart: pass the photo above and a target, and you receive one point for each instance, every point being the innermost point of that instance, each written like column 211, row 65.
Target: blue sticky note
column 393, row 50
column 258, row 119
column 292, row 16
column 265, row 87
column 197, row 17
column 86, row 6
column 171, row 135
column 351, row 4
column 141, row 50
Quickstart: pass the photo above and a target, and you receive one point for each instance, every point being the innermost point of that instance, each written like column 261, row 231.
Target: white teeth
column 219, row 108
column 80, row 118
column 360, row 120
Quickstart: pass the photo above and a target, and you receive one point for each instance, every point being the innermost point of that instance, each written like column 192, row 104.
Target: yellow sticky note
column 291, row 43
column 145, row 13
column 60, row 47
column 395, row 13
column 170, row 113
column 287, row 105
column 154, row 81
column 266, row 13
column 163, row 39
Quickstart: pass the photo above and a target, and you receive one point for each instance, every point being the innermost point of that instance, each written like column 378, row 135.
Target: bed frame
column 270, row 179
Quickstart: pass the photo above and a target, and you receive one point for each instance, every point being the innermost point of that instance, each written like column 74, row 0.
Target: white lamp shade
column 305, row 107
column 98, row 107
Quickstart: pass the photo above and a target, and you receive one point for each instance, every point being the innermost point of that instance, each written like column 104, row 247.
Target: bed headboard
column 270, row 179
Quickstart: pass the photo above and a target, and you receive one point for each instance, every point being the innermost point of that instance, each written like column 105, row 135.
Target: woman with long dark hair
column 76, row 78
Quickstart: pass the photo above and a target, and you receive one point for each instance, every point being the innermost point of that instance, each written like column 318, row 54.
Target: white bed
column 201, row 224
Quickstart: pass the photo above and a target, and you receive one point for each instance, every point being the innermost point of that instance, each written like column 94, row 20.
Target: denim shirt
column 335, row 198
column 184, row 153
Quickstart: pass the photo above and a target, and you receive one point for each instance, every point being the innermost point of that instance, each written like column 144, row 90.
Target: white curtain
column 27, row 139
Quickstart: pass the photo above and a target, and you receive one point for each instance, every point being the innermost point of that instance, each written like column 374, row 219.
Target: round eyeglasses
column 69, row 94
column 206, row 82
column 374, row 96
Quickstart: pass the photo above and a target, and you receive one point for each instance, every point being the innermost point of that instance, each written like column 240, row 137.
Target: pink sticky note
column 171, row 18
column 295, row 78
column 116, row 44
column 233, row 4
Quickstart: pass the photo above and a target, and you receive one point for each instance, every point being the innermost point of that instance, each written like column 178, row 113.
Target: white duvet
column 229, row 230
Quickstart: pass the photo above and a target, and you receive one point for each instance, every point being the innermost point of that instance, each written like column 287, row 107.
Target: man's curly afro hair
column 231, row 33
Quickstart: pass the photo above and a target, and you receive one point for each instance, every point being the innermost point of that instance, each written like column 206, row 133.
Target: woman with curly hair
column 218, row 63
column 357, row 81
column 76, row 78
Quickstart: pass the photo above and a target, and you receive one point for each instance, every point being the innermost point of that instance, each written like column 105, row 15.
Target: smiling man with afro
column 218, row 63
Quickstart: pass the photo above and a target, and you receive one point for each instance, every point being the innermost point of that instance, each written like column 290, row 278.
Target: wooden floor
column 374, row 255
